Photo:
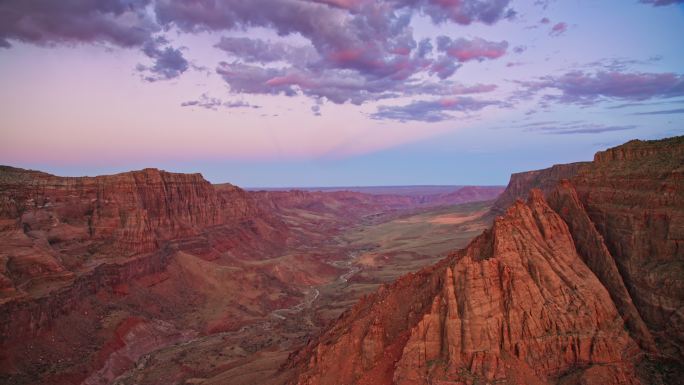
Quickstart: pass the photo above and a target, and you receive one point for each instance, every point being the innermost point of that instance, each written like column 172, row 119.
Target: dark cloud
column 376, row 41
column 660, row 3
column 580, row 87
column 465, row 50
column 120, row 22
column 543, row 3
column 662, row 112
column 430, row 111
column 365, row 47
column 639, row 104
column 574, row 127
column 230, row 13
column 519, row 49
column 361, row 49
column 123, row 23
column 338, row 86
column 212, row 103
column 460, row 89
column 558, row 29
column 262, row 51
column 169, row 62
column 204, row 101
column 462, row 12
column 620, row 64
column 444, row 67
column 335, row 85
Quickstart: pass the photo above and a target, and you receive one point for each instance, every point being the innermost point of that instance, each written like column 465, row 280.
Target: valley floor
column 363, row 256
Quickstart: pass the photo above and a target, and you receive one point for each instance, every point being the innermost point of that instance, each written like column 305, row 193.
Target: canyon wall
column 546, row 179
column 63, row 239
column 517, row 306
column 633, row 196
column 577, row 286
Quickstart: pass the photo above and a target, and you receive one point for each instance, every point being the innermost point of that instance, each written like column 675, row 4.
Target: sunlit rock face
column 574, row 285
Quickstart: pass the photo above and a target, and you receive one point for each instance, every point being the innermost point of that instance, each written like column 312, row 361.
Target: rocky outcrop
column 633, row 196
column 64, row 239
column 56, row 224
column 23, row 318
column 592, row 248
column 546, row 179
column 517, row 306
column 574, row 291
column 131, row 211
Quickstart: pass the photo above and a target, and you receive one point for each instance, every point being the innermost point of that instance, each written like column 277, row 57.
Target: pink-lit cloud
column 465, row 50
column 372, row 41
column 558, row 29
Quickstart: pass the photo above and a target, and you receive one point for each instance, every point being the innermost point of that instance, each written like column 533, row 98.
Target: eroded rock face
column 546, row 179
column 52, row 225
column 573, row 291
column 132, row 211
column 594, row 252
column 633, row 196
column 517, row 306
column 64, row 239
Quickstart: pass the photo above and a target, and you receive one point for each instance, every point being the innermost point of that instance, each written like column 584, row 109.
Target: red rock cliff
column 521, row 183
column 63, row 239
column 573, row 291
column 633, row 196
column 517, row 306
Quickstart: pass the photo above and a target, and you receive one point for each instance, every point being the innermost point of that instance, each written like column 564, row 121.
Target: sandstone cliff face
column 517, row 306
column 633, row 196
column 64, row 239
column 546, row 179
column 132, row 210
column 573, row 291
column 54, row 224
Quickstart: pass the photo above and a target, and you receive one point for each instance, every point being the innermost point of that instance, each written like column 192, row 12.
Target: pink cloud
column 476, row 49
column 558, row 29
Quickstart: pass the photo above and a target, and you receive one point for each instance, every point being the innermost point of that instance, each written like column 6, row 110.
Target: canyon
column 102, row 277
column 570, row 275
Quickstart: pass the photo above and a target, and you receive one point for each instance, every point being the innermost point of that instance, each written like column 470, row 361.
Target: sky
column 274, row 93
